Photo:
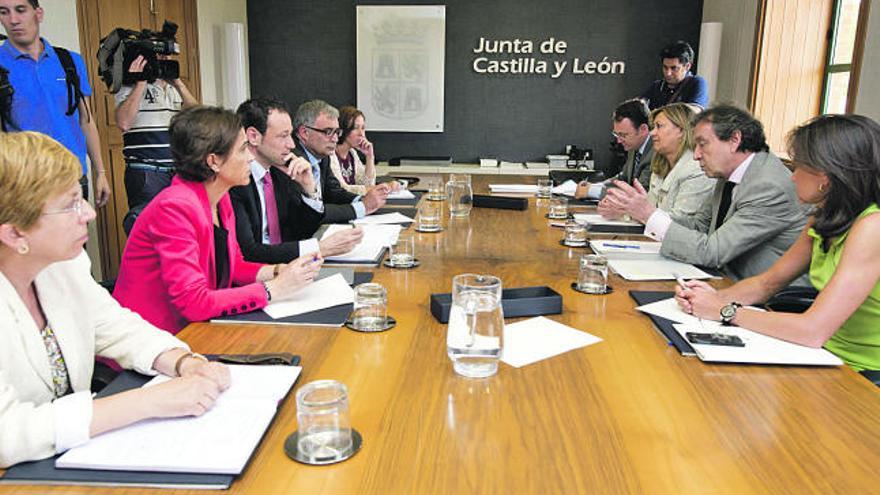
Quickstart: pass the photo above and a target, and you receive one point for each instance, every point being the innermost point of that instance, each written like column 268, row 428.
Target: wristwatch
column 728, row 312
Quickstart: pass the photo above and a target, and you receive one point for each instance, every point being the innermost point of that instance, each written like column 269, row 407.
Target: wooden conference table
column 626, row 415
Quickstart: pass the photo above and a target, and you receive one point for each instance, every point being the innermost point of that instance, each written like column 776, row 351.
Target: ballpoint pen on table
column 622, row 246
column 681, row 283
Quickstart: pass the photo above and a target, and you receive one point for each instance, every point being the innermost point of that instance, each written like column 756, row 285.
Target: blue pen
column 622, row 246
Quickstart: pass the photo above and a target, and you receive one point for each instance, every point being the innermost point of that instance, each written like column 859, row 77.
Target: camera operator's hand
column 137, row 65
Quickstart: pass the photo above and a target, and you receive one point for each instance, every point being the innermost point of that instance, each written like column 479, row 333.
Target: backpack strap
column 74, row 92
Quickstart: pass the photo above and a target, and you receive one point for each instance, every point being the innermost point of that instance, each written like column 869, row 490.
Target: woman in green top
column 836, row 162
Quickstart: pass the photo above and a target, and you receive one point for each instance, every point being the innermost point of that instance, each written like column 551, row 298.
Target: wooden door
column 97, row 19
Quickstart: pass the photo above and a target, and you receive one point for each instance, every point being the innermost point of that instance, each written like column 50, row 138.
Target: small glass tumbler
column 460, row 178
column 429, row 217
column 436, row 189
column 593, row 274
column 370, row 308
column 558, row 208
column 403, row 252
column 545, row 187
column 323, row 423
column 575, row 234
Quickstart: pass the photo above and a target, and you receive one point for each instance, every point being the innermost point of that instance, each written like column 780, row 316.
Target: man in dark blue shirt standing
column 678, row 83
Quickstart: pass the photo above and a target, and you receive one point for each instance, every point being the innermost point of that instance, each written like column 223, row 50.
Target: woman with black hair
column 837, row 169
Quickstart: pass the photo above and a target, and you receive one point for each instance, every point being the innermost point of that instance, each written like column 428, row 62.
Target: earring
column 821, row 188
column 24, row 248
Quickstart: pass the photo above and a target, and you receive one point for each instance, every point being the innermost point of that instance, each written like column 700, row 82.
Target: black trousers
column 141, row 186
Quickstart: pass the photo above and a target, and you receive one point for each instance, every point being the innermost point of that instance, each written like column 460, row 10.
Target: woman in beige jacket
column 54, row 319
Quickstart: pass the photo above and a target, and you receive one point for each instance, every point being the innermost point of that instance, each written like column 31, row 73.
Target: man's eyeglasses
column 328, row 132
column 77, row 207
column 620, row 135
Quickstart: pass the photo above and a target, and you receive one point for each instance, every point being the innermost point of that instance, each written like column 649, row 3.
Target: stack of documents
column 514, row 188
column 655, row 268
column 510, row 165
column 376, row 238
column 401, row 194
column 537, row 165
column 567, row 188
column 597, row 219
column 324, row 293
column 220, row 441
column 488, row 163
column 385, row 218
column 759, row 348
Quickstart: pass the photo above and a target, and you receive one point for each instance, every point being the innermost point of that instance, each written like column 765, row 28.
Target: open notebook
column 220, row 441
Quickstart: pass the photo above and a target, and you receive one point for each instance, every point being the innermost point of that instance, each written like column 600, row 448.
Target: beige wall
column 737, row 47
column 212, row 15
column 868, row 98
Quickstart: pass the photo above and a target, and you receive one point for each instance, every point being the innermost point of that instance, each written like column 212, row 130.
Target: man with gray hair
column 754, row 214
column 316, row 124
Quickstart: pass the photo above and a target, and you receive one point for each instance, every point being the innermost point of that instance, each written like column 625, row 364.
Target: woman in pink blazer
column 182, row 262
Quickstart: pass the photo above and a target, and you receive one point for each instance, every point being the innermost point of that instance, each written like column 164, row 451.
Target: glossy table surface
column 626, row 415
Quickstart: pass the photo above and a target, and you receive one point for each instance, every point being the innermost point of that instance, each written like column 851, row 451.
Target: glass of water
column 370, row 308
column 593, row 274
column 435, row 189
column 476, row 325
column 558, row 208
column 460, row 178
column 403, row 252
column 460, row 196
column 429, row 217
column 575, row 234
column 323, row 423
column 545, row 188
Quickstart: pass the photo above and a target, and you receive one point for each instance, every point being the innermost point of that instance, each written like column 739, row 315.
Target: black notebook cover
column 501, row 202
column 643, row 297
column 44, row 472
column 616, row 229
column 333, row 316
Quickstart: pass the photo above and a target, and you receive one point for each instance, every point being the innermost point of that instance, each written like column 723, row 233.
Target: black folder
column 408, row 212
column 44, row 472
column 663, row 325
column 616, row 229
column 333, row 316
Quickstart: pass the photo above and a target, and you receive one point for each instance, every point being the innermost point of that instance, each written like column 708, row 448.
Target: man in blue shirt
column 41, row 93
column 316, row 125
column 678, row 84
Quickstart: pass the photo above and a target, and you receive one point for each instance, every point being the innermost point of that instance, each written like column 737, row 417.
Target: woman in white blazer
column 54, row 319
column 354, row 175
column 678, row 185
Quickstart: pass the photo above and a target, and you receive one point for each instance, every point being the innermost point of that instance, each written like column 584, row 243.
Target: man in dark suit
column 278, row 211
column 754, row 215
column 630, row 127
column 316, row 125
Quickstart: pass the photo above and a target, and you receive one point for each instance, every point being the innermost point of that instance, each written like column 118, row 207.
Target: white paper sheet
column 655, row 269
column 325, row 293
column 536, row 339
column 219, row 441
column 386, row 218
column 611, row 248
column 401, row 194
column 514, row 188
column 597, row 219
column 759, row 349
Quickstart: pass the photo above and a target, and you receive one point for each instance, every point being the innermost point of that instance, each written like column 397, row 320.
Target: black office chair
column 872, row 375
column 794, row 299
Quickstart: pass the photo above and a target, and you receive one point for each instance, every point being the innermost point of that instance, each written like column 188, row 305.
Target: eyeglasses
column 328, row 132
column 620, row 135
column 77, row 207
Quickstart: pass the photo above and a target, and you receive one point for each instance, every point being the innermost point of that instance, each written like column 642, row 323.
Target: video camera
column 122, row 46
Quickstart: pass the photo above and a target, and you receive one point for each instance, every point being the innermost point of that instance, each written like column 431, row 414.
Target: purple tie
column 271, row 210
